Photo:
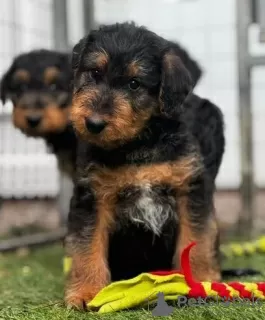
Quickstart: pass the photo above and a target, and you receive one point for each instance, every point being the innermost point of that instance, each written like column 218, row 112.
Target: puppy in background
column 38, row 84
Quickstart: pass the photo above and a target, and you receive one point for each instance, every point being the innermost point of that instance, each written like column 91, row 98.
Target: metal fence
column 246, row 10
column 26, row 168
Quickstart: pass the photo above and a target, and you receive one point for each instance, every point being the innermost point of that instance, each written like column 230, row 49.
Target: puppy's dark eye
column 53, row 87
column 96, row 74
column 134, row 84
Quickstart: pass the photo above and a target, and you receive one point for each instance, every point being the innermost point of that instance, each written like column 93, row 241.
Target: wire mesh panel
column 27, row 169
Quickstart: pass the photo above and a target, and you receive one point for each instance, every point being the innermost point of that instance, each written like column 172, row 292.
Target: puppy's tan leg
column 204, row 256
column 90, row 272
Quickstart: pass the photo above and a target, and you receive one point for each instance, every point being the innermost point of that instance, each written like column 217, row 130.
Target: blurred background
column 225, row 37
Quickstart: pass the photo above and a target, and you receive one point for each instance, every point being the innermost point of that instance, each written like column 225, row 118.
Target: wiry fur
column 149, row 152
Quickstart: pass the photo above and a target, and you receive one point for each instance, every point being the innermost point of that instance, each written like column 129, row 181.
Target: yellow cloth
column 138, row 291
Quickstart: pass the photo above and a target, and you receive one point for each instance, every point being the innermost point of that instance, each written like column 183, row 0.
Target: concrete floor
column 44, row 213
column 22, row 213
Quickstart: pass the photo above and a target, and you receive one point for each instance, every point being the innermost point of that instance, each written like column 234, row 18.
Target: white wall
column 24, row 25
column 207, row 28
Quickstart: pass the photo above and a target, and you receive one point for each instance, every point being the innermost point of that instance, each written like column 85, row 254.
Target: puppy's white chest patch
column 151, row 210
column 146, row 201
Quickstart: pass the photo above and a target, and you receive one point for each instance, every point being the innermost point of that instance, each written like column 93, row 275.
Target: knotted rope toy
column 122, row 295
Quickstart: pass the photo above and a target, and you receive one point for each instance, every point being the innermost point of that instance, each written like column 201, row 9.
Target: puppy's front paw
column 78, row 298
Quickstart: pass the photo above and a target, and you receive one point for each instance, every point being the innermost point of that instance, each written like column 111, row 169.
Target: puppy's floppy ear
column 4, row 86
column 176, row 84
column 77, row 52
column 75, row 59
column 190, row 64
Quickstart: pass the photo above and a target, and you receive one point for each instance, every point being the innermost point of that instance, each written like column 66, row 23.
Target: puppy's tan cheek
column 80, row 110
column 77, row 116
column 54, row 119
column 19, row 118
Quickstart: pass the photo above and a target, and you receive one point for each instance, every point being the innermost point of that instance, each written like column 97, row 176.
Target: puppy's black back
column 205, row 121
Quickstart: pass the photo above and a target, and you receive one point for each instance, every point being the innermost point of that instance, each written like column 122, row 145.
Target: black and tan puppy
column 144, row 188
column 38, row 84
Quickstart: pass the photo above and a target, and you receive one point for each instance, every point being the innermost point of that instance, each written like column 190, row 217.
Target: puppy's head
column 123, row 76
column 37, row 83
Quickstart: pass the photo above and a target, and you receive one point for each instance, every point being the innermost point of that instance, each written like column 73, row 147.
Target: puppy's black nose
column 33, row 121
column 95, row 124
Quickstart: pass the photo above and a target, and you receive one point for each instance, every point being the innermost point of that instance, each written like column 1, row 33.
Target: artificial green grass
column 31, row 288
